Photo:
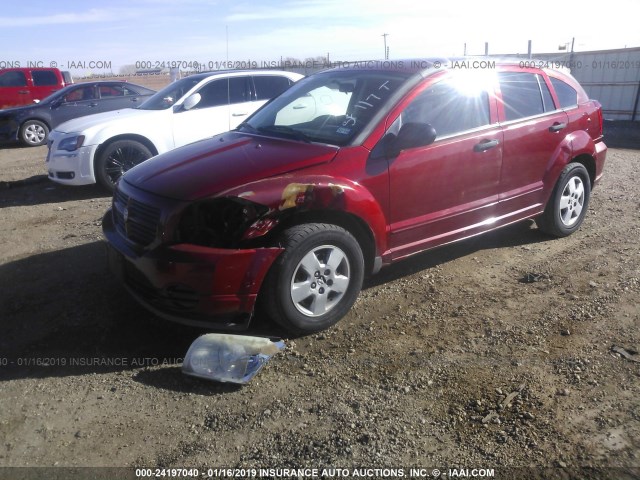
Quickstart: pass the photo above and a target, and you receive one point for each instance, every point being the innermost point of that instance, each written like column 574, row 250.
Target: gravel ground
column 510, row 351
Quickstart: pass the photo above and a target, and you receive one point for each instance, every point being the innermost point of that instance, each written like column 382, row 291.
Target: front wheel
column 117, row 158
column 34, row 133
column 316, row 280
column 568, row 204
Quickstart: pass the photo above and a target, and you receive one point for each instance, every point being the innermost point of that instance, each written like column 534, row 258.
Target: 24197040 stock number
column 578, row 64
column 195, row 65
column 194, row 472
column 168, row 472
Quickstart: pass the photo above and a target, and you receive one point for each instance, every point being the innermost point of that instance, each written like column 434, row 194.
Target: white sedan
column 100, row 148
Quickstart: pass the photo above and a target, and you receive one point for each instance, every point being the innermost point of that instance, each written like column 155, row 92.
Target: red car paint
column 456, row 187
column 23, row 86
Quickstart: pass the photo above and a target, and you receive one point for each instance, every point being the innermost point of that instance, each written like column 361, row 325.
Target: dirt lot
column 492, row 353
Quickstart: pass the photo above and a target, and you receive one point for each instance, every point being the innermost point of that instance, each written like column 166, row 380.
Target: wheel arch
column 37, row 119
column 588, row 162
column 319, row 199
column 125, row 136
column 353, row 224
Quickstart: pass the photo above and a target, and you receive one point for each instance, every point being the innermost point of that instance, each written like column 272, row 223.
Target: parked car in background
column 22, row 86
column 349, row 170
column 31, row 124
column 102, row 147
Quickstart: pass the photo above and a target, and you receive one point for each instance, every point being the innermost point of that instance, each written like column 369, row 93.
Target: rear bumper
column 191, row 284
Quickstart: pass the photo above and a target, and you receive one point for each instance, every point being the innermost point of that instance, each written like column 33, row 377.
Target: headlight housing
column 71, row 144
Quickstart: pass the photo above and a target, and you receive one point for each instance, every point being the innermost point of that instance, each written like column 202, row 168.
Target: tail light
column 598, row 132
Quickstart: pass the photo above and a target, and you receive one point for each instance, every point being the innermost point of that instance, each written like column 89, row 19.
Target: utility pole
column 386, row 51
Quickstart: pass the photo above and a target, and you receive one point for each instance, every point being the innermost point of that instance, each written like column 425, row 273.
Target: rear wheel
column 568, row 204
column 316, row 280
column 118, row 157
column 34, row 133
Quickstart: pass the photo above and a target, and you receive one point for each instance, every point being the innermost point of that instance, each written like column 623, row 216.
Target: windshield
column 57, row 94
column 331, row 107
column 169, row 95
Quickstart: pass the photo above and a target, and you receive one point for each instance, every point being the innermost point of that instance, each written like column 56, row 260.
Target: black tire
column 34, row 133
column 325, row 295
column 118, row 157
column 569, row 202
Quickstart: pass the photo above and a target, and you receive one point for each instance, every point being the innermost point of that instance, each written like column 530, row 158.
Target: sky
column 85, row 37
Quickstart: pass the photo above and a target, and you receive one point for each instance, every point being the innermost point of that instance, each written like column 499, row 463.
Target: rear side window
column 111, row 91
column 268, row 87
column 567, row 95
column 13, row 79
column 448, row 109
column 521, row 94
column 547, row 99
column 44, row 78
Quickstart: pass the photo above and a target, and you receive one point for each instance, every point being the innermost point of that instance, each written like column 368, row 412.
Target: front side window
column 567, row 95
column 44, row 78
column 80, row 93
column 450, row 107
column 214, row 94
column 332, row 107
column 521, row 95
column 270, row 86
column 13, row 79
column 169, row 95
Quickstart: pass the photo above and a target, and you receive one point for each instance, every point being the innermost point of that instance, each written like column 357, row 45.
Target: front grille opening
column 135, row 220
column 66, row 175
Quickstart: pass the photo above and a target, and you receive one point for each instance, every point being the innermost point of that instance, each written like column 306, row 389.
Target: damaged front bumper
column 191, row 284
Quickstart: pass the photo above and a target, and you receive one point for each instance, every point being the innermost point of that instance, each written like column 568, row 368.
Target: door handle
column 485, row 145
column 93, row 104
column 23, row 92
column 134, row 99
column 239, row 114
column 299, row 107
column 557, row 126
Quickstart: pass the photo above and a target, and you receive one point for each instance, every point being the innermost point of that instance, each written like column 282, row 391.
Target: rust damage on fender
column 312, row 195
column 297, row 196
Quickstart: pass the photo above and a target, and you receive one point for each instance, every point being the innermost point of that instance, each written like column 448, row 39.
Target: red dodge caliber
column 347, row 171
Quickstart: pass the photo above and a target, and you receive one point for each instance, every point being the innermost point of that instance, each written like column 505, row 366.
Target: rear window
column 44, row 78
column 13, row 79
column 268, row 87
column 567, row 95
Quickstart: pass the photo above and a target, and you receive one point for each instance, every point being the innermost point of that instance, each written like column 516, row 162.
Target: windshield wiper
column 286, row 131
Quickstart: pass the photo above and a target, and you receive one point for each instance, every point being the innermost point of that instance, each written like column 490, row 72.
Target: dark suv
column 350, row 170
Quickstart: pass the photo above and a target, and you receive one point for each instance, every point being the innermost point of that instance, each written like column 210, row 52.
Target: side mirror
column 411, row 135
column 57, row 102
column 192, row 101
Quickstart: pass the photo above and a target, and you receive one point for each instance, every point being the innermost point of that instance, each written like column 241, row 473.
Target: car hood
column 18, row 110
column 208, row 167
column 82, row 124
